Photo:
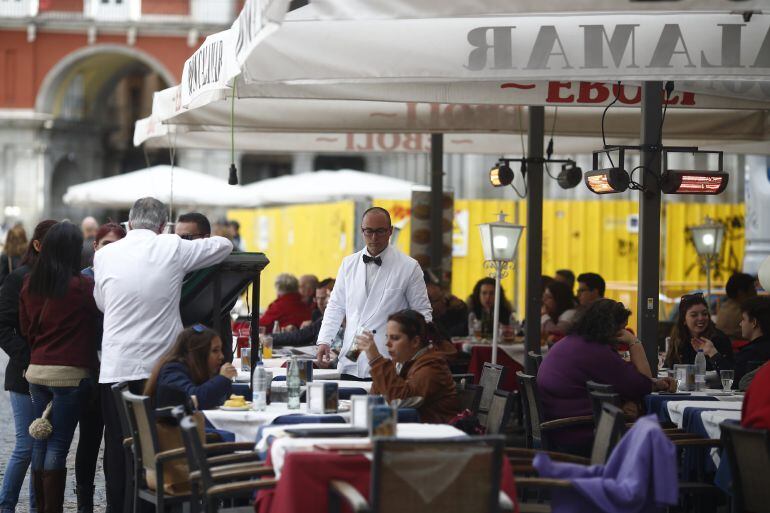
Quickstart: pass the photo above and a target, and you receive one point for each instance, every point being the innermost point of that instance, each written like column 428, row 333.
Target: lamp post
column 499, row 241
column 708, row 238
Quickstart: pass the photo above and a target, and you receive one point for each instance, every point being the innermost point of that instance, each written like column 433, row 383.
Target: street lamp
column 499, row 241
column 708, row 238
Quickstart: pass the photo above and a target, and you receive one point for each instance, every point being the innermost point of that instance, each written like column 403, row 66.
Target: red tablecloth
column 481, row 354
column 304, row 482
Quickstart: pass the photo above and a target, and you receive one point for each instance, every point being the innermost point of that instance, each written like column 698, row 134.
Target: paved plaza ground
column 6, row 446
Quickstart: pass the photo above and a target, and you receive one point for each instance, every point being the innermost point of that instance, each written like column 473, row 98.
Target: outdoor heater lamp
column 607, row 181
column 501, row 175
column 499, row 241
column 570, row 176
column 694, row 182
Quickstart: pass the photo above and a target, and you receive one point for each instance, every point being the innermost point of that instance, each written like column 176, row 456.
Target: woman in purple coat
column 588, row 353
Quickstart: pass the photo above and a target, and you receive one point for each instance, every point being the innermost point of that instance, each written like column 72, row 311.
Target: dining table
column 511, row 355
column 306, row 466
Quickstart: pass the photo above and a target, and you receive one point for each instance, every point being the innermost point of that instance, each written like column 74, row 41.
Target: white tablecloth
column 676, row 408
column 319, row 374
column 245, row 423
column 516, row 352
column 712, row 420
column 426, row 431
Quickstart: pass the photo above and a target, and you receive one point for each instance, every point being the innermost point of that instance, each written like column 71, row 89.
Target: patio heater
column 499, row 241
column 708, row 238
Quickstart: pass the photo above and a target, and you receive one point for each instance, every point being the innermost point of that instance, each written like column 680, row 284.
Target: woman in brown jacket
column 414, row 369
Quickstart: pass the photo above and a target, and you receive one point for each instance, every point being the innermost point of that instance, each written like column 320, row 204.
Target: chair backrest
column 117, row 395
column 469, row 398
column 499, row 412
column 748, row 451
column 537, row 359
column 196, row 455
column 491, row 377
column 600, row 398
column 141, row 420
column 532, row 410
column 457, row 475
column 609, row 431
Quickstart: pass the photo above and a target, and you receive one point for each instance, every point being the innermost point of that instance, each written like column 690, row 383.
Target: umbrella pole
column 534, row 232
column 649, row 221
column 436, row 202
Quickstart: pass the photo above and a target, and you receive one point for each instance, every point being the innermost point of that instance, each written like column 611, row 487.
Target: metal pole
column 496, row 318
column 708, row 282
column 534, row 232
column 436, row 202
column 649, row 221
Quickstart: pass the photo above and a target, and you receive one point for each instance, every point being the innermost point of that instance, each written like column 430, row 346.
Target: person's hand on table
column 305, row 324
column 289, row 327
column 228, row 370
column 664, row 385
column 366, row 345
column 324, row 356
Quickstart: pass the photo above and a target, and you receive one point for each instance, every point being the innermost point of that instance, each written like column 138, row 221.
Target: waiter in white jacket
column 371, row 284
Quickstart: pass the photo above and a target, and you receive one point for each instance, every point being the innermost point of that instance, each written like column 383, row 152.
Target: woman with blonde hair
column 13, row 250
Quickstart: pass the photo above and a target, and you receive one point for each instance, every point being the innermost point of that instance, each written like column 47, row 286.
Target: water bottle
column 514, row 323
column 293, row 383
column 700, row 371
column 259, row 386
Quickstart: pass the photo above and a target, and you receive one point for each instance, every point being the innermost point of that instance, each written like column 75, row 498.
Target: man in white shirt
column 138, row 284
column 371, row 284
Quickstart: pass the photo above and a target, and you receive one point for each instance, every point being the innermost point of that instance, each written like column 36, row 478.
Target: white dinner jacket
column 399, row 284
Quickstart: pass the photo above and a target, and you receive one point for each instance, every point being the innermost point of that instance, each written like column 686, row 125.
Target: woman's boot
column 54, row 482
column 85, row 495
column 37, row 482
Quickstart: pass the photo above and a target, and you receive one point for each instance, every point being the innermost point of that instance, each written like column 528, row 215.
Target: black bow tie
column 376, row 260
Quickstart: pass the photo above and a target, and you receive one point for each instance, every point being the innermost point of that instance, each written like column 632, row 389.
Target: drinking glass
column 727, row 377
column 267, row 346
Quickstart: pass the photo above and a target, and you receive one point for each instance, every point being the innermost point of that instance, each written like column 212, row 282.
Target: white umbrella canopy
column 323, row 186
column 190, row 188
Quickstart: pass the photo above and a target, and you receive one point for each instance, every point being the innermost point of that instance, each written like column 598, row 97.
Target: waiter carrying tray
column 371, row 284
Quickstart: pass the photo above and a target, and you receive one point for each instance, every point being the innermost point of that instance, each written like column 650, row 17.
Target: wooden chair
column 600, row 398
column 469, row 398
column 748, row 453
column 149, row 459
column 499, row 412
column 213, row 484
column 491, row 377
column 594, row 386
column 395, row 487
column 537, row 360
column 536, row 427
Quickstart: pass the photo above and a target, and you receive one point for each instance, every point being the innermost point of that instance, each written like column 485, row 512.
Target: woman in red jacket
column 57, row 316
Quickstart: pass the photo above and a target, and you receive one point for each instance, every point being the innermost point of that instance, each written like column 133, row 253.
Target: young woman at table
column 481, row 304
column 195, row 366
column 413, row 370
column 694, row 330
column 558, row 312
column 588, row 353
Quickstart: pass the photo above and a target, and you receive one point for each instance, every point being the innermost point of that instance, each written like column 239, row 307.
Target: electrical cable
column 604, row 114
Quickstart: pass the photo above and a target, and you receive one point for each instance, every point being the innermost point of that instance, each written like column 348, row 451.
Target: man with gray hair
column 138, row 284
column 288, row 309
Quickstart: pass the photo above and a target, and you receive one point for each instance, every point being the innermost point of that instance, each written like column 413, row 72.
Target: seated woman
column 481, row 304
column 195, row 366
column 694, row 330
column 558, row 313
column 587, row 353
column 413, row 369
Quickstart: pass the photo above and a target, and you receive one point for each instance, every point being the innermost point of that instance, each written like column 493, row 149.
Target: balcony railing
column 219, row 12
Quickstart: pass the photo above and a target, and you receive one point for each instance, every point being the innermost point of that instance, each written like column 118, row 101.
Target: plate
column 236, row 408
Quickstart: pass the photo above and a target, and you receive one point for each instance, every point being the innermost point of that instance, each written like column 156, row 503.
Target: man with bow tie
column 371, row 284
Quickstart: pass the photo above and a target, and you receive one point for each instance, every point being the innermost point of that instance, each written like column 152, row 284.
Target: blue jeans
column 21, row 404
column 51, row 454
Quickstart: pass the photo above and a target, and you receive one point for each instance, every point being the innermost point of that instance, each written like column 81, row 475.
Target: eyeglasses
column 369, row 232
column 198, row 328
column 192, row 236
